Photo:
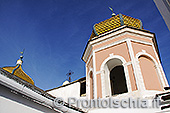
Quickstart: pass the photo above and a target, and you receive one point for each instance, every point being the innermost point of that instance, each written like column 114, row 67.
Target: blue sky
column 54, row 34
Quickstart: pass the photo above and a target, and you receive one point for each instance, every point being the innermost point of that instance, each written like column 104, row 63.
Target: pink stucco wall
column 99, row 86
column 120, row 49
column 150, row 74
column 138, row 47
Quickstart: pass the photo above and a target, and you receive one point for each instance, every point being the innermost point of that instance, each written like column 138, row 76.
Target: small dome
column 18, row 71
column 65, row 82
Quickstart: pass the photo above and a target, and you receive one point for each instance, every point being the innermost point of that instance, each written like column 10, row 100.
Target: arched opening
column 91, row 85
column 118, row 80
column 149, row 73
column 115, row 75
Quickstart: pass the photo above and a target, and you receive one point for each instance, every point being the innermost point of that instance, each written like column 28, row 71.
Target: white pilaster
column 94, row 77
column 137, row 71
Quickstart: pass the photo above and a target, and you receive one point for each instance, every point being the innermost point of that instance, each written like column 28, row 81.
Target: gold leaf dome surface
column 115, row 22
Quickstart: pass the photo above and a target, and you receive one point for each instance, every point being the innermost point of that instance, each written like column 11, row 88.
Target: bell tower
column 122, row 59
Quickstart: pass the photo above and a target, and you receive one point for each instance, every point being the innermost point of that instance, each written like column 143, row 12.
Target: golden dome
column 115, row 22
column 18, row 71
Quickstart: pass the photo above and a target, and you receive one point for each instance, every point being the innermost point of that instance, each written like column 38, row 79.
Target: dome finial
column 20, row 61
column 22, row 53
column 113, row 14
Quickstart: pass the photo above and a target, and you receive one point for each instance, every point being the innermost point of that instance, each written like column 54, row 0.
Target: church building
column 122, row 61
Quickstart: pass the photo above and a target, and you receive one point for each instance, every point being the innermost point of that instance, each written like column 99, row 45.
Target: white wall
column 72, row 90
column 15, row 103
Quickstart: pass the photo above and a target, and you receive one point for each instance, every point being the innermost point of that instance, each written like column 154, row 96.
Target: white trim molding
column 121, row 41
column 88, row 83
column 94, row 76
column 89, row 59
column 139, row 80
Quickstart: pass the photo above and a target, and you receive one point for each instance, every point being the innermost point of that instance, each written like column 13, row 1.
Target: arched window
column 91, row 85
column 118, row 80
column 114, row 72
column 149, row 73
